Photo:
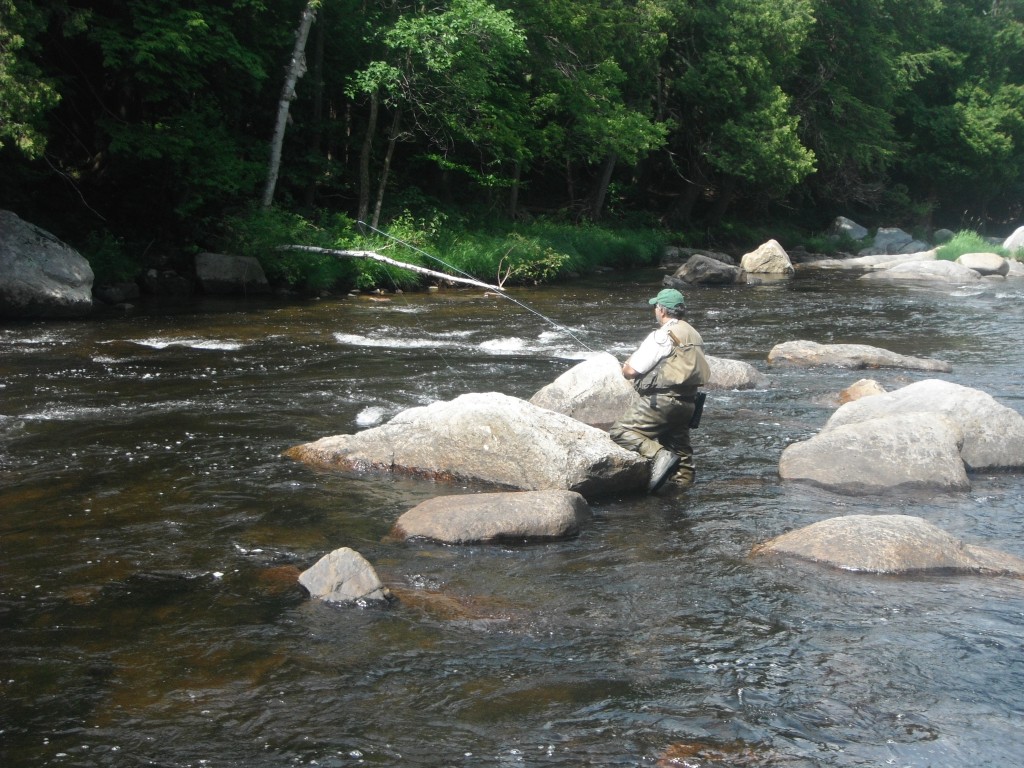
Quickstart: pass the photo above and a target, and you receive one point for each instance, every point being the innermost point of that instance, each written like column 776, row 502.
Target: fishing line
column 513, row 299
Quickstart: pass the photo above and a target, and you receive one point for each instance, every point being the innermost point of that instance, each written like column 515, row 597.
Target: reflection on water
column 152, row 535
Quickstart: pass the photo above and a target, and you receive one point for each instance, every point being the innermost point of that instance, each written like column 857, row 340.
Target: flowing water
column 151, row 535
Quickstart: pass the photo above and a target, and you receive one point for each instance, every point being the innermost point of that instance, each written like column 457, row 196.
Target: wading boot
column 665, row 463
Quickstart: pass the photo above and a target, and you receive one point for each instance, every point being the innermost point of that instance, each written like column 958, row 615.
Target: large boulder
column 596, row 393
column 495, row 517
column 1015, row 242
column 734, row 374
column 855, row 356
column 593, row 392
column 993, row 434
column 985, row 264
column 926, row 271
column 769, row 258
column 220, row 273
column 343, row 576
column 890, row 544
column 488, row 438
column 40, row 277
column 914, row 451
column 704, row 270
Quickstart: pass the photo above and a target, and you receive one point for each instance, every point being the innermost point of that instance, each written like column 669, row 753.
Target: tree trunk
column 392, row 140
column 316, row 140
column 364, row 159
column 726, row 193
column 682, row 209
column 602, row 186
column 296, row 69
column 513, row 193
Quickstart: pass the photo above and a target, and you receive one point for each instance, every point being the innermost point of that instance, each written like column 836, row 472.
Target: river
column 152, row 533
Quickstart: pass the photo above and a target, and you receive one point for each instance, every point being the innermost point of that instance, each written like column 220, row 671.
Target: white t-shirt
column 652, row 350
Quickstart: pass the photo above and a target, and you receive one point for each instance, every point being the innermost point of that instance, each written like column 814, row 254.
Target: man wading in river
column 666, row 370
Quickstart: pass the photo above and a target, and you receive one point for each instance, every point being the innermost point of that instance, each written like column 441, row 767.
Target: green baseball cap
column 669, row 298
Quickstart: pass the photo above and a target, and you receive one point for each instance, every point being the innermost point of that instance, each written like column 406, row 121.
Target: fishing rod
column 501, row 292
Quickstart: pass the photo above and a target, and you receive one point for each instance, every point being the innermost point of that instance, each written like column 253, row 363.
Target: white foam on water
column 370, row 416
column 215, row 344
column 508, row 345
column 387, row 338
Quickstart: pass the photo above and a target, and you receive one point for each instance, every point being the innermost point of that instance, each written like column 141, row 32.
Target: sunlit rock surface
column 489, row 438
column 993, row 434
column 855, row 356
column 915, row 451
column 342, row 576
column 495, row 517
column 893, row 544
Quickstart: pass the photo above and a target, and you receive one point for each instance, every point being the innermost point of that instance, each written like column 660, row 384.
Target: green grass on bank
column 524, row 253
column 520, row 254
column 966, row 241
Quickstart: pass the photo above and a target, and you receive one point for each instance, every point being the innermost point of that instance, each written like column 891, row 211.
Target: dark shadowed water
column 151, row 535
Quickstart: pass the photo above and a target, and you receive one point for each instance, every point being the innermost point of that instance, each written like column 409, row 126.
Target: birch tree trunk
column 318, row 105
column 296, row 69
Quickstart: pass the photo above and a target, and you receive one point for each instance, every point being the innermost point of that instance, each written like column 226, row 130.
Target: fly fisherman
column 666, row 370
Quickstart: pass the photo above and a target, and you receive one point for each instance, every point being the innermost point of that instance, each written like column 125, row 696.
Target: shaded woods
column 140, row 127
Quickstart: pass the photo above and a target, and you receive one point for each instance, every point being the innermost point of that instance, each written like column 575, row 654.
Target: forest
column 141, row 131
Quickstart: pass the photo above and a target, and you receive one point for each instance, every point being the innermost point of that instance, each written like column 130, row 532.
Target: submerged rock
column 495, row 517
column 892, row 544
column 859, row 389
column 856, row 356
column 490, row 438
column 926, row 271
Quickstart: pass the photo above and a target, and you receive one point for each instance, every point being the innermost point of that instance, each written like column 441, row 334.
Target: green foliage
column 966, row 241
column 545, row 251
column 109, row 259
column 25, row 94
column 261, row 232
column 155, row 118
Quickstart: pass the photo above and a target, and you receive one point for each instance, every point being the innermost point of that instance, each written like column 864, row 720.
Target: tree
column 25, row 94
column 445, row 69
column 965, row 122
column 727, row 66
column 296, row 68
column 592, row 87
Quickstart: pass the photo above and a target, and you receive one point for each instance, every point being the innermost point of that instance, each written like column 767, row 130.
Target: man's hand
column 628, row 372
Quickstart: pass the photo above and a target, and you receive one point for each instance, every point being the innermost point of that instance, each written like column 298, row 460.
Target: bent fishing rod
column 501, row 291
